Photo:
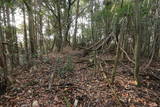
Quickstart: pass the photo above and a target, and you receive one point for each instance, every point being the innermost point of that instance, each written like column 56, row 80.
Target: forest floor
column 85, row 86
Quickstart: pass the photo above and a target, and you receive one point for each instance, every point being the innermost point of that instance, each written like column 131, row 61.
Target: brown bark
column 25, row 34
column 76, row 27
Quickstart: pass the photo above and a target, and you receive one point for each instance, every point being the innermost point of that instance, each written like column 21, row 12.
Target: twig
column 127, row 55
column 85, row 67
column 116, row 96
column 149, row 63
column 50, row 81
column 126, row 66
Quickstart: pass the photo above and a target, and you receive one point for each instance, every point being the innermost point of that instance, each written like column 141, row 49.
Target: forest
column 79, row 53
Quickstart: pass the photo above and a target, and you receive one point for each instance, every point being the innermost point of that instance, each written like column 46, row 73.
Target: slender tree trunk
column 119, row 43
column 68, row 22
column 15, row 41
column 157, row 32
column 31, row 28
column 2, row 50
column 41, row 34
column 31, row 33
column 1, row 31
column 156, row 42
column 116, row 62
column 48, row 34
column 41, row 41
column 5, row 58
column 8, row 44
column 35, row 26
column 75, row 30
column 59, row 38
column 137, row 44
column 92, row 23
column 25, row 35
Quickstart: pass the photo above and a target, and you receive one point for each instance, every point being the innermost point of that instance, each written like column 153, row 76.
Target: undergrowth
column 64, row 69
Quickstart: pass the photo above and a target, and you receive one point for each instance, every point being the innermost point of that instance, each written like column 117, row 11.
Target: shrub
column 66, row 69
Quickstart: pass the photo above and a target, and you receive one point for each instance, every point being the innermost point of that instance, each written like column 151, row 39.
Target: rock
column 75, row 103
column 25, row 105
column 35, row 104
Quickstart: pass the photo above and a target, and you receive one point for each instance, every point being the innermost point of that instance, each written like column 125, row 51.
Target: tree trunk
column 119, row 43
column 31, row 33
column 92, row 23
column 15, row 41
column 75, row 30
column 8, row 45
column 68, row 23
column 137, row 44
column 25, row 35
column 41, row 41
column 59, row 37
column 31, row 28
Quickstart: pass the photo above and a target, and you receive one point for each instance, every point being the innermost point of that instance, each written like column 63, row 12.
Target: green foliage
column 69, row 65
column 126, row 10
column 87, row 34
column 1, row 3
column 46, row 60
column 35, row 55
column 41, row 13
column 58, row 61
column 144, row 11
column 145, row 8
column 106, row 12
column 68, row 104
column 48, row 31
column 8, row 3
column 67, row 68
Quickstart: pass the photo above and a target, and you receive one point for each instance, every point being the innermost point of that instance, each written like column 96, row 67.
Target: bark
column 119, row 43
column 35, row 32
column 41, row 41
column 76, row 27
column 3, row 47
column 1, row 32
column 2, row 57
column 59, row 39
column 31, row 28
column 137, row 44
column 92, row 23
column 25, row 35
column 15, row 41
column 31, row 33
column 116, row 62
column 8, row 39
column 68, row 23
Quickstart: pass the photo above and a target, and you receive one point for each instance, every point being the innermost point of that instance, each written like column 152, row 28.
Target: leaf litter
column 87, row 87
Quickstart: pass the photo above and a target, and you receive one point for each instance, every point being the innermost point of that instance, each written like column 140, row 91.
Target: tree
column 25, row 34
column 138, row 42
column 75, row 29
column 33, row 42
column 68, row 20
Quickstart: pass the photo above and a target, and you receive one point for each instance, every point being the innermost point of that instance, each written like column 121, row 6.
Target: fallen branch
column 98, row 45
column 82, row 61
column 51, row 80
column 154, row 75
column 127, row 55
column 85, row 67
column 116, row 96
column 150, row 74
